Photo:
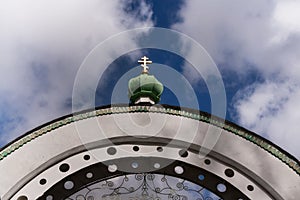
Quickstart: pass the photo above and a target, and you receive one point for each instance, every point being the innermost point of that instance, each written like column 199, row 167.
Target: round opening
column 112, row 168
column 68, row 185
column 156, row 165
column 229, row 172
column 86, row 157
column 136, row 148
column 64, row 167
column 250, row 187
column 201, row 177
column 22, row 198
column 221, row 187
column 111, row 150
column 49, row 197
column 89, row 175
column 159, row 149
column 178, row 170
column 81, row 197
column 134, row 165
column 43, row 181
column 207, row 161
column 183, row 153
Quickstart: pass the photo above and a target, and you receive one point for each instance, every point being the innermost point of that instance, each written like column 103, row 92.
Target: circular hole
column 156, row 165
column 135, row 148
column 111, row 150
column 183, row 153
column 178, row 170
column 68, row 185
column 81, row 197
column 250, row 187
column 22, row 198
column 229, row 172
column 221, row 187
column 201, row 177
column 207, row 161
column 49, row 197
column 134, row 165
column 86, row 157
column 112, row 168
column 89, row 175
column 159, row 149
column 43, row 181
column 64, row 167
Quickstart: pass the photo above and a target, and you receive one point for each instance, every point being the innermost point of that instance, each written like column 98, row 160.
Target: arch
column 46, row 149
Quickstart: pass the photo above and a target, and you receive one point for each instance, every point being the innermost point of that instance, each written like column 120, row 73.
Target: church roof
column 246, row 163
column 263, row 143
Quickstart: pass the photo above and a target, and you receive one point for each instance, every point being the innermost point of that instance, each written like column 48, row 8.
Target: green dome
column 144, row 85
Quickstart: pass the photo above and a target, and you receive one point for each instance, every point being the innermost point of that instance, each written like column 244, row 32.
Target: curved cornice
column 263, row 143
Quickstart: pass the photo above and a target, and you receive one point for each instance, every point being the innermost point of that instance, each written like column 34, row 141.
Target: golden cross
column 144, row 60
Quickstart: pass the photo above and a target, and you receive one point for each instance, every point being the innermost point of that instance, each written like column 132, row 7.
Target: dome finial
column 145, row 88
column 144, row 60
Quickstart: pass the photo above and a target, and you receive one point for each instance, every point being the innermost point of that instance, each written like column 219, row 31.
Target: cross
column 144, row 60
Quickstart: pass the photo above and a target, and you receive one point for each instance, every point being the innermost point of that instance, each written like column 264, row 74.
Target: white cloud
column 263, row 35
column 271, row 108
column 287, row 15
column 42, row 46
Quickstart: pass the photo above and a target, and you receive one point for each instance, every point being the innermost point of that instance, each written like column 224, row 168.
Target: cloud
column 261, row 35
column 245, row 33
column 43, row 44
column 271, row 109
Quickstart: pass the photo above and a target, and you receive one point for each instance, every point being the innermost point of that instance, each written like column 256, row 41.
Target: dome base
column 144, row 100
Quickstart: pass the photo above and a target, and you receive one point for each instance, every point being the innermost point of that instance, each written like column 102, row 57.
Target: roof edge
column 258, row 140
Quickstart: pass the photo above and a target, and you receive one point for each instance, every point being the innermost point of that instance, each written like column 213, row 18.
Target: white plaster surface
column 21, row 164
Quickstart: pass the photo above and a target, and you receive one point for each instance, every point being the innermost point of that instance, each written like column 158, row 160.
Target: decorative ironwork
column 144, row 186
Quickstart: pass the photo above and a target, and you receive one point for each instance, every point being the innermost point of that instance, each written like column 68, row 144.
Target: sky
column 254, row 44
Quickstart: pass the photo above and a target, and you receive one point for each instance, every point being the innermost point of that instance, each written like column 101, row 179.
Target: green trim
column 264, row 144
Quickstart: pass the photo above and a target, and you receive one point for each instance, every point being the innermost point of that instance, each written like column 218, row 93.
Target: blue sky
column 254, row 44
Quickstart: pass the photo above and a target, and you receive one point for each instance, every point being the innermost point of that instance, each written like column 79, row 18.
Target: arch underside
column 130, row 156
column 163, row 180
